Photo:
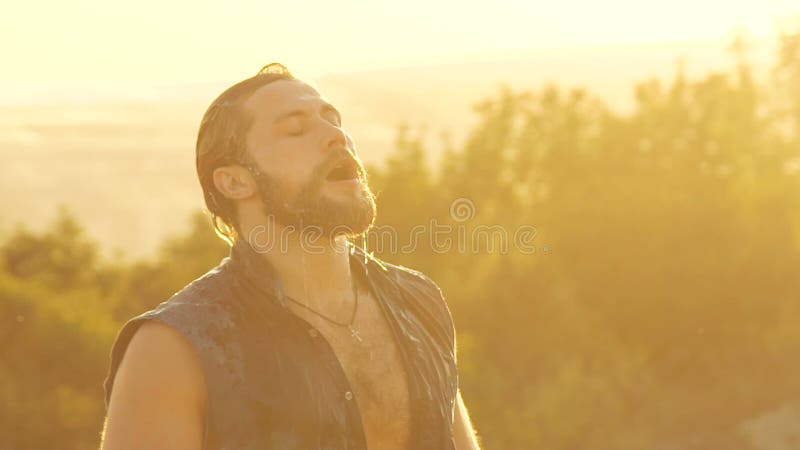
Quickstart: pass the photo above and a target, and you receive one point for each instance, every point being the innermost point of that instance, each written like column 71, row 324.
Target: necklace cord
column 336, row 322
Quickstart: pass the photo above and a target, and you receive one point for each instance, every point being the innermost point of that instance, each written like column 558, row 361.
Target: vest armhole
column 437, row 305
column 120, row 345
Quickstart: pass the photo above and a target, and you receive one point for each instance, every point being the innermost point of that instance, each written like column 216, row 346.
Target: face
column 305, row 163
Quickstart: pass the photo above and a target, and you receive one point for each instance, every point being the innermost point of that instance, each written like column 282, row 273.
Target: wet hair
column 221, row 141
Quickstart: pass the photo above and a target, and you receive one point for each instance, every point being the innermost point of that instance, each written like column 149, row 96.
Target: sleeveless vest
column 273, row 382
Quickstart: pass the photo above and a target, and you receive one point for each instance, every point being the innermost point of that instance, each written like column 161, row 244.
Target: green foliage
column 54, row 356
column 61, row 257
column 659, row 309
column 673, row 238
column 60, row 309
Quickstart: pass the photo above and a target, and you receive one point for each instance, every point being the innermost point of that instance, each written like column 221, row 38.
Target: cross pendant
column 355, row 333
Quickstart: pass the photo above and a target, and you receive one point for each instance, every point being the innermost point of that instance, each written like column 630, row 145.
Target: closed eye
column 298, row 125
column 296, row 130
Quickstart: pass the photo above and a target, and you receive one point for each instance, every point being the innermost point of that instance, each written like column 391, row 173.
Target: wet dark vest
column 258, row 356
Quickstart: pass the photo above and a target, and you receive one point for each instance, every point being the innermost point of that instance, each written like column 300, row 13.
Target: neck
column 315, row 272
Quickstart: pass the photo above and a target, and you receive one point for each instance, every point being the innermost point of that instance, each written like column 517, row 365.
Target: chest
column 375, row 371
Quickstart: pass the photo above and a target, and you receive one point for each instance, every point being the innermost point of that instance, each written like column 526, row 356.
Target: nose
column 337, row 138
column 351, row 146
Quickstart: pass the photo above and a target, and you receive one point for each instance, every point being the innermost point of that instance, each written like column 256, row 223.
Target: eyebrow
column 301, row 112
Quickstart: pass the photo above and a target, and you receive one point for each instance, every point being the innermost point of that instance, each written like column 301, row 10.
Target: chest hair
column 375, row 370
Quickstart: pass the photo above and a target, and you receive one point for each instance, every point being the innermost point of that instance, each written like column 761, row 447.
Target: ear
column 234, row 182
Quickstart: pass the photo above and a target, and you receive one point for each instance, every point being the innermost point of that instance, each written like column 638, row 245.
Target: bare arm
column 158, row 397
column 465, row 437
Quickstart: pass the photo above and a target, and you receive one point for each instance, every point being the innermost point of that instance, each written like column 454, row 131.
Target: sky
column 92, row 89
column 95, row 41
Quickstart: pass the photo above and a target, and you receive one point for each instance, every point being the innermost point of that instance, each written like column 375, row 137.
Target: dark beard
column 313, row 212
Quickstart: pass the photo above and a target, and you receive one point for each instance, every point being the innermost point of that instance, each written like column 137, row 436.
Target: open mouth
column 347, row 169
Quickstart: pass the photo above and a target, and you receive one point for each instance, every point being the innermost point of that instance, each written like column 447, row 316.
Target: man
column 298, row 339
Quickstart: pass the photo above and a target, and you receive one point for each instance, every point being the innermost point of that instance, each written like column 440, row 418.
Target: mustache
column 337, row 157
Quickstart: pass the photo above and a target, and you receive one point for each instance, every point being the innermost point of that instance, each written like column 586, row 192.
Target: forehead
column 280, row 96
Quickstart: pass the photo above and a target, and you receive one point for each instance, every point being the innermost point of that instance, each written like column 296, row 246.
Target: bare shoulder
column 159, row 355
column 158, row 398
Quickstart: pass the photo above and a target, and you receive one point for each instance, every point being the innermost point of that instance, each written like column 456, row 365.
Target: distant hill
column 122, row 157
